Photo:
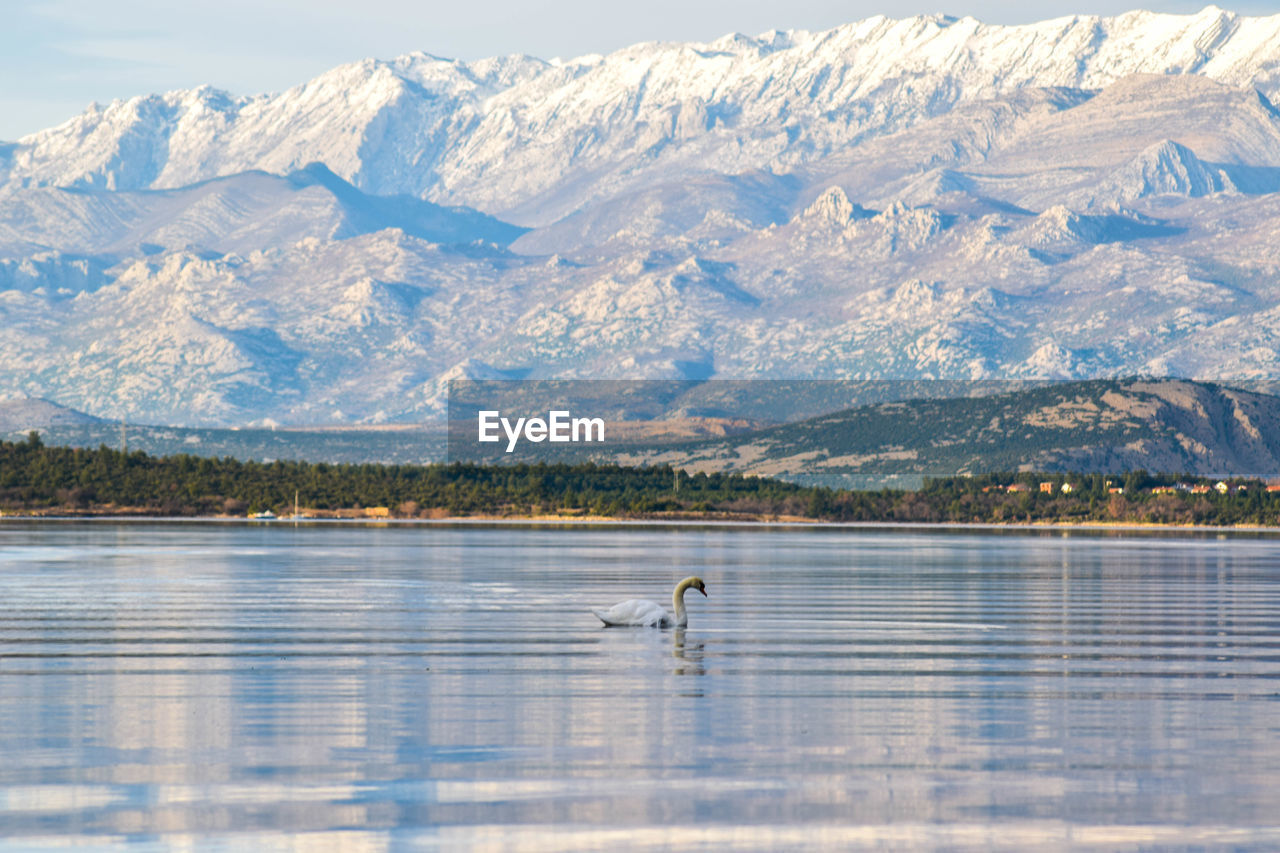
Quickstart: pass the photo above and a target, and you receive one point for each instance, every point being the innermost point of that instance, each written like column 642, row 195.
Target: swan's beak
column 703, row 591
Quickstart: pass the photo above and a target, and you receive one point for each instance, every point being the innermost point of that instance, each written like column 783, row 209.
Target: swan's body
column 639, row 613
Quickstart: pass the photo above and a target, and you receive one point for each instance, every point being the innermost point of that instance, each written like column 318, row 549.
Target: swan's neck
column 677, row 601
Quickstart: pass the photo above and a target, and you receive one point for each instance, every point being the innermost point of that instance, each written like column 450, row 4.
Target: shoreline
column 683, row 520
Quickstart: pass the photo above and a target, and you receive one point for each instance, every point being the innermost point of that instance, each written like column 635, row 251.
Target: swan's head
column 697, row 584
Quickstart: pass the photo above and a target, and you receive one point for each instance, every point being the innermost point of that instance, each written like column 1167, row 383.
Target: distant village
column 1222, row 487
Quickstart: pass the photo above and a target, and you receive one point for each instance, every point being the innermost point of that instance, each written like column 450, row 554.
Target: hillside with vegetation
column 36, row 479
column 1110, row 426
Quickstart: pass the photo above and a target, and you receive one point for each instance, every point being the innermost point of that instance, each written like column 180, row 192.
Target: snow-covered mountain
column 902, row 198
column 535, row 140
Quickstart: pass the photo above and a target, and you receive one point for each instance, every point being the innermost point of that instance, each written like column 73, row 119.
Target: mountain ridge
column 491, row 124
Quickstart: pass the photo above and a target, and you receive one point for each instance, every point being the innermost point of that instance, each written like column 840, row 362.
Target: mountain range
column 917, row 198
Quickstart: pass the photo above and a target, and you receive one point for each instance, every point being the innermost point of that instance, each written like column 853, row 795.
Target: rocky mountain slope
column 928, row 197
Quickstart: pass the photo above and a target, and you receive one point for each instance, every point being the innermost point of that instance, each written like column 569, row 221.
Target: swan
column 638, row 612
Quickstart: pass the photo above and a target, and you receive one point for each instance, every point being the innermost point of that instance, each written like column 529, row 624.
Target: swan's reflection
column 689, row 655
column 631, row 649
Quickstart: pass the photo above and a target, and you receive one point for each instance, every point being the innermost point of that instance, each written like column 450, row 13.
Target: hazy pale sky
column 56, row 56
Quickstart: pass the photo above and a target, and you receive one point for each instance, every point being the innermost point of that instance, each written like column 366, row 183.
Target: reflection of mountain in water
column 219, row 685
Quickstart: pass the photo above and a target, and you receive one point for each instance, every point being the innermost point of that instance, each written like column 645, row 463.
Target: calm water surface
column 343, row 687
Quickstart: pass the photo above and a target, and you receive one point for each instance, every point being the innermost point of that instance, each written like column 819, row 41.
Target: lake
column 329, row 686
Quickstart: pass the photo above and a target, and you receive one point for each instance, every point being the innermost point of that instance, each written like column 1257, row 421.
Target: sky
column 58, row 56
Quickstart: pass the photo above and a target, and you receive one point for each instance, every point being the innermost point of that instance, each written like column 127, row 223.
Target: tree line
column 35, row 478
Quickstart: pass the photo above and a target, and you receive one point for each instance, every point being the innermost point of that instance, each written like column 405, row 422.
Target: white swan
column 638, row 612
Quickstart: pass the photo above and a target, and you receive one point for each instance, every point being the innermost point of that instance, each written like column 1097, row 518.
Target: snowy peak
column 126, row 144
column 907, row 228
column 1062, row 229
column 1169, row 168
column 368, row 302
column 1166, row 168
column 833, row 208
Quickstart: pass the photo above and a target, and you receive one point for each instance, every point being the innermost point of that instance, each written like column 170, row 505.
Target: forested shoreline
column 36, row 479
